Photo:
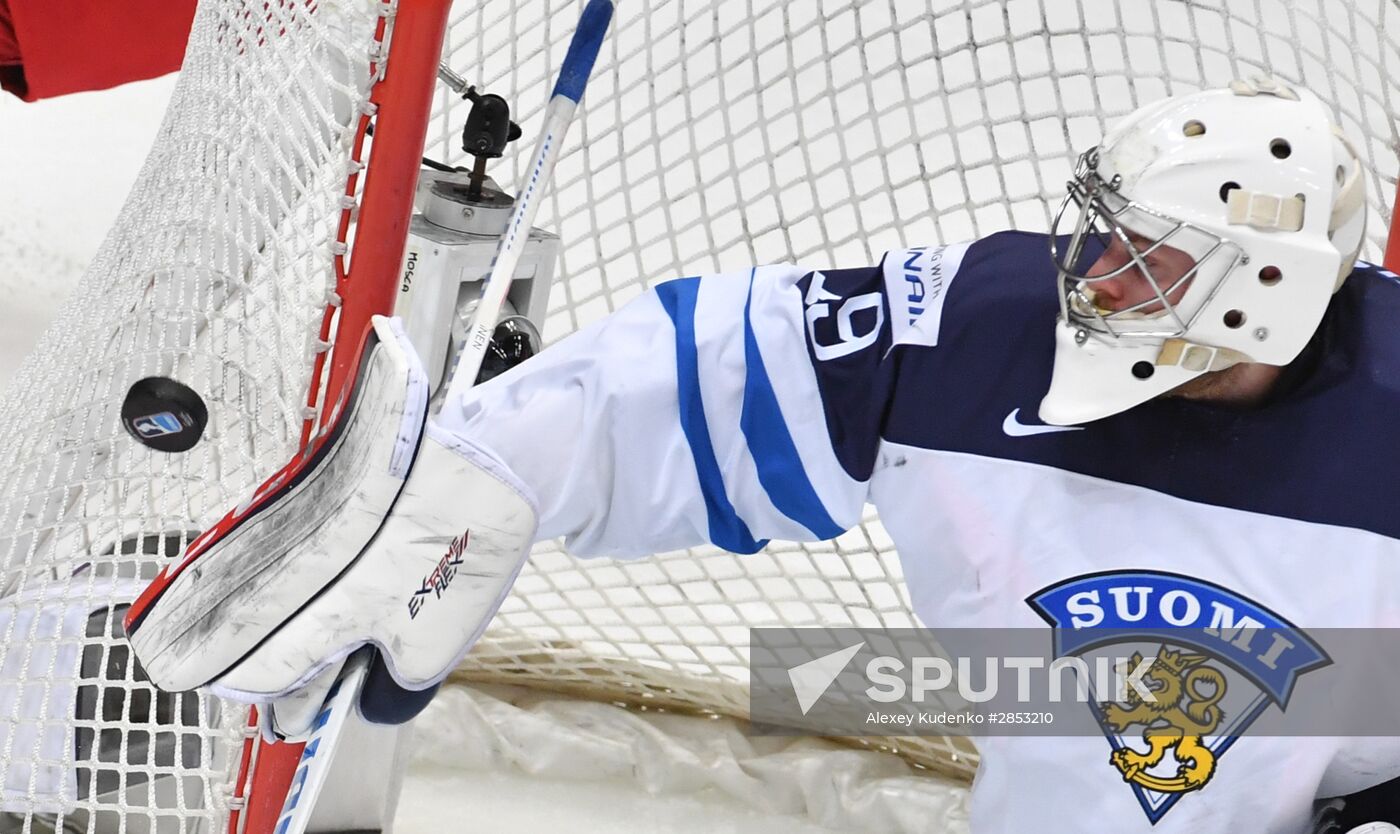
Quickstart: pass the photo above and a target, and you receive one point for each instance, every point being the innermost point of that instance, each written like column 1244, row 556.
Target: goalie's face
column 1138, row 275
column 1152, row 275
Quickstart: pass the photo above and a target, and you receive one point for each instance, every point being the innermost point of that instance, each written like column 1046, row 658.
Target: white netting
column 715, row 133
column 216, row 274
column 720, row 133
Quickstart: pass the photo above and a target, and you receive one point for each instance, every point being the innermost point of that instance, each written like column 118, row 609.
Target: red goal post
column 406, row 60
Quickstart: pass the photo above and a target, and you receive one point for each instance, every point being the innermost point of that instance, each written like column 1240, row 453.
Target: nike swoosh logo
column 1013, row 427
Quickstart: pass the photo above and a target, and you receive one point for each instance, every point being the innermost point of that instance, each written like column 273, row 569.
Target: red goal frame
column 365, row 287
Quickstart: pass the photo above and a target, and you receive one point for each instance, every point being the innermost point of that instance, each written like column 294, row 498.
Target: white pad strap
column 1263, row 85
column 1265, row 211
column 1198, row 358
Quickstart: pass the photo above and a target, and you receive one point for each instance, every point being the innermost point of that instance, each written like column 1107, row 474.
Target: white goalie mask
column 1227, row 219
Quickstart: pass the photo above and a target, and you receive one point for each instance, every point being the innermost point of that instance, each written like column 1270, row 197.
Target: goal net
column 714, row 134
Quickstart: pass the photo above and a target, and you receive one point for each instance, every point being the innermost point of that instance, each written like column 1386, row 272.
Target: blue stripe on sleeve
column 727, row 529
column 780, row 470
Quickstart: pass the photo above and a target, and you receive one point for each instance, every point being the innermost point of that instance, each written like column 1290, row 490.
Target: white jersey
column 776, row 402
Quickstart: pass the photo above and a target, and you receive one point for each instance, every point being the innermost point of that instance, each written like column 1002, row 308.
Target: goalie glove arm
column 692, row 415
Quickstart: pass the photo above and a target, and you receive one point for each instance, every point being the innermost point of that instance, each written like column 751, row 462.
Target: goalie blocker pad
column 387, row 535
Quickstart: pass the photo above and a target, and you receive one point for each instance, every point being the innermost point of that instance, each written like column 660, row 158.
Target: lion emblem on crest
column 1185, row 709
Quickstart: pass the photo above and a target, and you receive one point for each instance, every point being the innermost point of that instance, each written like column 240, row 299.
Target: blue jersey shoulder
column 862, row 324
column 995, row 348
column 848, row 315
column 1323, row 449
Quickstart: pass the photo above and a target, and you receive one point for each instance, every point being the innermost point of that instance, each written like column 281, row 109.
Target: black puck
column 164, row 415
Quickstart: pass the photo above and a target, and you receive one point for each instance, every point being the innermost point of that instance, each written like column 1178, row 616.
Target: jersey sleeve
column 53, row 47
column 728, row 409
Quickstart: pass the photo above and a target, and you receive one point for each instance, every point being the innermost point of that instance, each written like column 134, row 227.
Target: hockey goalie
column 1180, row 387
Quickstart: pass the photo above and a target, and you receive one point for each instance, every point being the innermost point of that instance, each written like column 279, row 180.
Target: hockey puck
column 164, row 415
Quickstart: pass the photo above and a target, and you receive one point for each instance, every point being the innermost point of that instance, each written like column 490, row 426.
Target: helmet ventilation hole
column 1234, row 318
column 1193, row 128
column 1143, row 370
column 1225, row 190
column 1280, row 148
column 1270, row 275
column 1341, row 175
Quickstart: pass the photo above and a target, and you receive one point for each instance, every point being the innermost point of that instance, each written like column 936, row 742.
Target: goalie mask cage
column 714, row 134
